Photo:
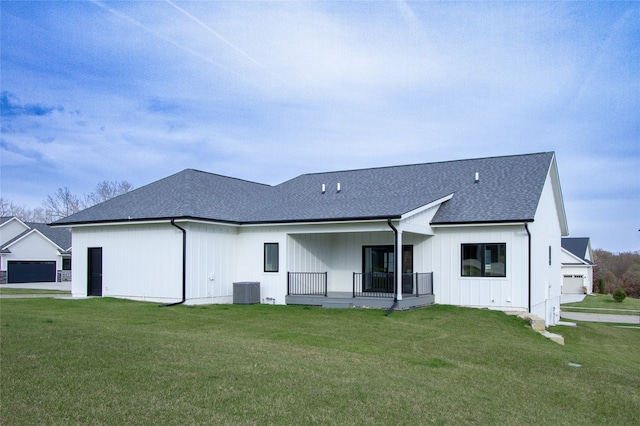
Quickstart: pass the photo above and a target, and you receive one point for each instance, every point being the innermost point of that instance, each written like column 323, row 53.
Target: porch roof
column 508, row 189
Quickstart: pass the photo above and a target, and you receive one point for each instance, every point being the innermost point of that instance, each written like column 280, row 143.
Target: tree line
column 613, row 270
column 64, row 203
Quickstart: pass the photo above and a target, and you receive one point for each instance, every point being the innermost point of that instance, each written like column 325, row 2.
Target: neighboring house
column 482, row 232
column 577, row 266
column 33, row 252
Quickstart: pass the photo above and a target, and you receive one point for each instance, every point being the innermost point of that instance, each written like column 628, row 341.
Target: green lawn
column 106, row 361
column 12, row 291
column 604, row 303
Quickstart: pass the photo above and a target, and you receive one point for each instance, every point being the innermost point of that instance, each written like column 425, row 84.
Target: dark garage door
column 31, row 272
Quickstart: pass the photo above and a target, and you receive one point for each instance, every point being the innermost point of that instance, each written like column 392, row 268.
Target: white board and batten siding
column 139, row 261
column 144, row 261
column 211, row 253
column 451, row 288
column 338, row 254
column 546, row 273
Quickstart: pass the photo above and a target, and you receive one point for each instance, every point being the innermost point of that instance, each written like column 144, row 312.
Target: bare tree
column 62, row 204
column 9, row 209
column 107, row 190
column 5, row 208
column 39, row 215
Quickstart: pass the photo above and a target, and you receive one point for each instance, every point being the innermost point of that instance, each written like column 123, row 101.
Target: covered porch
column 376, row 263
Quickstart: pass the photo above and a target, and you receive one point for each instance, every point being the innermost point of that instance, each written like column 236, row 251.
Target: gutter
column 395, row 266
column 184, row 266
column 526, row 228
column 221, row 221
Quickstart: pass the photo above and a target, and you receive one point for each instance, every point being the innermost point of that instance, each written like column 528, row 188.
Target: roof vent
column 338, row 186
column 477, row 178
column 324, row 188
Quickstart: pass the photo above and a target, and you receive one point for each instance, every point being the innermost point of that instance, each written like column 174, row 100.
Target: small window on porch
column 271, row 257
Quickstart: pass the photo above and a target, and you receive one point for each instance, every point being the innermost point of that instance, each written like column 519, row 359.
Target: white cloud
column 268, row 90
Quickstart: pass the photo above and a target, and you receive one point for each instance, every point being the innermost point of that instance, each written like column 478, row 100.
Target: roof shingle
column 509, row 189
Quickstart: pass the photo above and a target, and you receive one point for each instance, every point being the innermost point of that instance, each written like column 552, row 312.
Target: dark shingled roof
column 509, row 189
column 577, row 247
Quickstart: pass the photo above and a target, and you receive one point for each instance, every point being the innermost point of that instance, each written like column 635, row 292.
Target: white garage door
column 572, row 284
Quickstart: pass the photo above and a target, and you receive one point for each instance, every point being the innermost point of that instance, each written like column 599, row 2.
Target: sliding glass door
column 378, row 267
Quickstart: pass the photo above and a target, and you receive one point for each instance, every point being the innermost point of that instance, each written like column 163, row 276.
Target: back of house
column 481, row 232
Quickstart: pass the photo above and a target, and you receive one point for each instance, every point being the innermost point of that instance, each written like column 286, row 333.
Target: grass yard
column 27, row 291
column 106, row 361
column 604, row 303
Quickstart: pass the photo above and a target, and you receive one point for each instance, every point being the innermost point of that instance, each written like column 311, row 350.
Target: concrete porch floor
column 346, row 300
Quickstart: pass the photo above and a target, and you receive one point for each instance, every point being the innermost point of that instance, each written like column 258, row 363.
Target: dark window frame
column 407, row 257
column 483, row 268
column 271, row 265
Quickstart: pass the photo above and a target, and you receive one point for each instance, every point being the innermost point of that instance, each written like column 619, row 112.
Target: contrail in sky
column 218, row 36
column 157, row 34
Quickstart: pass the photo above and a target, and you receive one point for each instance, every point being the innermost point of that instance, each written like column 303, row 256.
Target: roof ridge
column 426, row 163
column 226, row 177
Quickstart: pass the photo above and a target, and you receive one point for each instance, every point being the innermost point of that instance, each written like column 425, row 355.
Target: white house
column 481, row 232
column 577, row 266
column 33, row 252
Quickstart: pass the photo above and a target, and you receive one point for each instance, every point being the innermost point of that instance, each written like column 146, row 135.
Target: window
column 66, row 264
column 271, row 257
column 549, row 255
column 484, row 260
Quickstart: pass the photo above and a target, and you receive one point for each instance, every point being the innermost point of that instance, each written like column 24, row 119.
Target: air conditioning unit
column 246, row 293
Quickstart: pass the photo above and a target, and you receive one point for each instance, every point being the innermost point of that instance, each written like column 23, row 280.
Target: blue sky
column 265, row 91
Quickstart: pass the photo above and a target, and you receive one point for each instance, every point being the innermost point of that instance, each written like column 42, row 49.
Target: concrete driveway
column 64, row 286
column 596, row 317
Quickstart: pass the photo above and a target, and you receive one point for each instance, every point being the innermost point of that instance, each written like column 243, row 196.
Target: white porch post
column 398, row 267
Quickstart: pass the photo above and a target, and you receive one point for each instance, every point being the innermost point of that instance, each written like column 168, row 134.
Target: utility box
column 246, row 293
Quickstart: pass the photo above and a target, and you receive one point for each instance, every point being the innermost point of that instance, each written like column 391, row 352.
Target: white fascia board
column 327, row 227
column 15, row 219
column 589, row 254
column 305, row 227
column 573, row 256
column 26, row 235
column 554, row 175
column 426, row 207
column 405, row 223
column 140, row 222
column 478, row 224
column 206, row 222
